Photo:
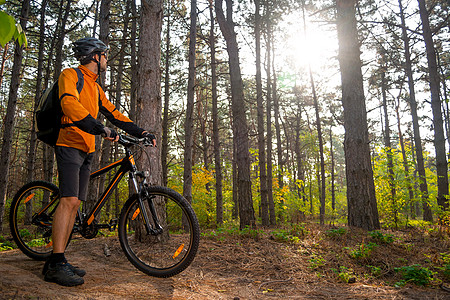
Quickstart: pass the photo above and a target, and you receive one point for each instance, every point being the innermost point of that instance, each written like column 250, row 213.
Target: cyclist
column 75, row 146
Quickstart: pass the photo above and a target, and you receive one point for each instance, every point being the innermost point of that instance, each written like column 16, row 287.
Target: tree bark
column 439, row 139
column 260, row 115
column 240, row 130
column 149, row 91
column 269, row 95
column 165, row 120
column 8, row 125
column 387, row 145
column 333, row 176
column 101, row 156
column 189, row 122
column 134, row 66
column 427, row 215
column 216, row 121
column 405, row 162
column 38, row 89
column 362, row 205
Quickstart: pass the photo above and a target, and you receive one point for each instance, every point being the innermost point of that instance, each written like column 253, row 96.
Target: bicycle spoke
column 169, row 252
column 30, row 226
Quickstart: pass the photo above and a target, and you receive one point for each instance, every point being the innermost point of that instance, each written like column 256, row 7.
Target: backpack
column 49, row 112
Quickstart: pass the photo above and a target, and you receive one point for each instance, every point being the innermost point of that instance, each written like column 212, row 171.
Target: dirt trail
column 231, row 269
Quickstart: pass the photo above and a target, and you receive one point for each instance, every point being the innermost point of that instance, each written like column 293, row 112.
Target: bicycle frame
column 127, row 165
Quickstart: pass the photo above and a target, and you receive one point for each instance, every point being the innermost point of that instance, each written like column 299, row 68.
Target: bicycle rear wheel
column 31, row 216
column 170, row 252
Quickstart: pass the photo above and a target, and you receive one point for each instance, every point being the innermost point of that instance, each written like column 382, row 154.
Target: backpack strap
column 80, row 84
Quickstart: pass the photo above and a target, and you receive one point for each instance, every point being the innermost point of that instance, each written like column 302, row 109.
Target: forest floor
column 307, row 262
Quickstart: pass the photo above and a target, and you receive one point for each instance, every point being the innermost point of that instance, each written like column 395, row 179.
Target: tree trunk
column 189, row 122
column 298, row 154
column 439, row 139
column 105, row 11
column 216, row 121
column 60, row 42
column 387, row 145
column 319, row 133
column 40, row 65
column 362, row 205
column 8, row 125
column 427, row 216
column 149, row 92
column 445, row 109
column 272, row 217
column 240, row 130
column 276, row 112
column 165, row 121
column 260, row 114
column 405, row 161
column 133, row 64
column 333, row 190
column 94, row 27
column 101, row 156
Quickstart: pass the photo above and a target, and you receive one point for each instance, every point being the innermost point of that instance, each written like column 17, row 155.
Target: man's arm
column 74, row 110
column 117, row 118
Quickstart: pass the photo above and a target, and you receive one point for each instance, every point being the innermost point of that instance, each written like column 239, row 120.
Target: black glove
column 149, row 136
column 109, row 133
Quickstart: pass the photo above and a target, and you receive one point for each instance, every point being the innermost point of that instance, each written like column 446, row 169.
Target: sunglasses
column 105, row 54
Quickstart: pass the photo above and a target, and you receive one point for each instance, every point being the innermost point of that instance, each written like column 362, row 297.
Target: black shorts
column 74, row 169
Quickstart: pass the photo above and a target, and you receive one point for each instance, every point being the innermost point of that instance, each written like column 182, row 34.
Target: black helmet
column 84, row 48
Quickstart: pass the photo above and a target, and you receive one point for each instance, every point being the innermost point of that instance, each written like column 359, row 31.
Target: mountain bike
column 158, row 229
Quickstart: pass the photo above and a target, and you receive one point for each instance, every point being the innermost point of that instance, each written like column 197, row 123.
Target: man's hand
column 110, row 134
column 150, row 136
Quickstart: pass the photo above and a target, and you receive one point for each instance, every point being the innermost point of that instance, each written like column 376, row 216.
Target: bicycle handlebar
column 127, row 141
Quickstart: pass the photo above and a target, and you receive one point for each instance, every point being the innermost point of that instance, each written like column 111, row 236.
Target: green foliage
column 344, row 274
column 9, row 29
column 24, row 233
column 393, row 199
column 446, row 265
column 221, row 233
column 291, row 234
column 336, row 232
column 381, row 238
column 362, row 250
column 203, row 195
column 415, row 274
column 374, row 271
column 5, row 244
column 316, row 262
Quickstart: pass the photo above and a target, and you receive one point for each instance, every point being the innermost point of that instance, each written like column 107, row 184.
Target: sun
column 315, row 48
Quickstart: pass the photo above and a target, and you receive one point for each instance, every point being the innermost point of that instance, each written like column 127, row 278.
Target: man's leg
column 57, row 269
column 63, row 221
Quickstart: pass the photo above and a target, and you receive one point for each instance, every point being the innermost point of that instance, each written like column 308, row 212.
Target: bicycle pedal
column 113, row 224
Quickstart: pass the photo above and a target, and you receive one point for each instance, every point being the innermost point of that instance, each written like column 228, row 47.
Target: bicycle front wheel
column 172, row 250
column 31, row 216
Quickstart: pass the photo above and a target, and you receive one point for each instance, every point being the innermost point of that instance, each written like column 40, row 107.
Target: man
column 75, row 146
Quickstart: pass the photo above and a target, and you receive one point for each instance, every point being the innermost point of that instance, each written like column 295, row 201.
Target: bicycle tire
column 33, row 237
column 166, row 254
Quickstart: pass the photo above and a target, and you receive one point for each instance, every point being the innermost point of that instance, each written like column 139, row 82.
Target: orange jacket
column 79, row 124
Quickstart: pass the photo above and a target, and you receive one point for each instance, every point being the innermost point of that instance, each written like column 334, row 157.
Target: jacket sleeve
column 72, row 107
column 117, row 118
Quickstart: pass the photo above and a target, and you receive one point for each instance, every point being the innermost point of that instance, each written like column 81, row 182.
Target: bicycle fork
column 142, row 194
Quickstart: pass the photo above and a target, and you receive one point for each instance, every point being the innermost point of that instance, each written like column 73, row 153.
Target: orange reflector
column 29, row 198
column 136, row 213
column 178, row 251
column 49, row 244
